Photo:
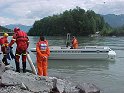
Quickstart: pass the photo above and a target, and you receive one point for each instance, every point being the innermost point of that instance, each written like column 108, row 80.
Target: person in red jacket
column 43, row 52
column 4, row 45
column 22, row 41
column 74, row 43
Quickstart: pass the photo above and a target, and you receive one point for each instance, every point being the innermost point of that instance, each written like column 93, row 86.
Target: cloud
column 109, row 7
column 7, row 21
column 27, row 11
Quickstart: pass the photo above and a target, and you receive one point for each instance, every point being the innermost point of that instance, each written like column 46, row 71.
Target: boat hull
column 87, row 52
column 79, row 56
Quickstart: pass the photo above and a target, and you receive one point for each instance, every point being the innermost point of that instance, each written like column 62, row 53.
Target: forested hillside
column 22, row 27
column 3, row 29
column 114, row 20
column 118, row 32
column 77, row 22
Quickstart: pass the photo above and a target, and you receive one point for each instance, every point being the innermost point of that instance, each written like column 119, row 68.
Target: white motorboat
column 83, row 52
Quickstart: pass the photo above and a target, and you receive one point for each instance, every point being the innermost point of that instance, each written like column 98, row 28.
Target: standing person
column 74, row 43
column 4, row 45
column 22, row 41
column 43, row 52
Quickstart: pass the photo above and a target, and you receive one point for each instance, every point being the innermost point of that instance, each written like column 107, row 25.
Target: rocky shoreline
column 13, row 82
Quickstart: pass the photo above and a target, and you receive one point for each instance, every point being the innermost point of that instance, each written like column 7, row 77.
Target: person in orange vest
column 74, row 43
column 4, row 45
column 22, row 41
column 43, row 52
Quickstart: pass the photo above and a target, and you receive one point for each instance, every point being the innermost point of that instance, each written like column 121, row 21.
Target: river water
column 107, row 75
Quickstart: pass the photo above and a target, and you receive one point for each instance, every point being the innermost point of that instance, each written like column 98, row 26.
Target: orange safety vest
column 42, row 48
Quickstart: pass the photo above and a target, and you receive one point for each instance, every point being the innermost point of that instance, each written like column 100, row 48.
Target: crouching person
column 4, row 47
column 43, row 52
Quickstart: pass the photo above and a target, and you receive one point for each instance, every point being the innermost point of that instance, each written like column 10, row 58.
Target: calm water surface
column 107, row 75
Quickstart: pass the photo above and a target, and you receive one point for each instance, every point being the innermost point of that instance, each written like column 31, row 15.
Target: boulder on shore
column 14, row 82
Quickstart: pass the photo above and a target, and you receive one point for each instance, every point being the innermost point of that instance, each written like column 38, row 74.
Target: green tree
column 76, row 21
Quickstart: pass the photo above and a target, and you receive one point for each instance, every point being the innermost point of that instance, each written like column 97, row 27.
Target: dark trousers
column 5, row 59
column 17, row 57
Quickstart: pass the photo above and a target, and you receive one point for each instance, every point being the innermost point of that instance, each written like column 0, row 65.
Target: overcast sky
column 27, row 11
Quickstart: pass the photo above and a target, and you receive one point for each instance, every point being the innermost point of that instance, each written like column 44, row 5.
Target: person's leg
column 17, row 56
column 3, row 49
column 24, row 67
column 0, row 58
column 24, row 61
column 45, row 67
column 39, row 66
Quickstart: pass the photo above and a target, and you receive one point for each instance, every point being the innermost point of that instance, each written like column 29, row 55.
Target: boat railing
column 85, row 48
column 96, row 47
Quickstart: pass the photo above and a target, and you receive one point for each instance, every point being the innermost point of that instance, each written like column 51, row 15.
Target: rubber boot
column 5, row 60
column 17, row 66
column 24, row 67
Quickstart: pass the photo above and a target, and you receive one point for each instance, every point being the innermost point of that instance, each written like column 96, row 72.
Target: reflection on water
column 78, row 64
column 69, row 68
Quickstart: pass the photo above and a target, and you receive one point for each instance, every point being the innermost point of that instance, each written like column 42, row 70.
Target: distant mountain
column 114, row 20
column 22, row 27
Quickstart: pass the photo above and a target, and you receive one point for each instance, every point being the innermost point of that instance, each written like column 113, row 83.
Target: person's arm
column 38, row 50
column 76, row 41
column 6, row 42
column 3, row 47
column 48, row 52
column 13, row 40
column 28, row 42
column 2, row 42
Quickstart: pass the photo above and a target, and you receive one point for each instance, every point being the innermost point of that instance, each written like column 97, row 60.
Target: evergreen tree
column 77, row 22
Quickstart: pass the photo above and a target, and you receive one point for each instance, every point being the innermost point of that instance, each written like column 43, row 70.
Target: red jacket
column 4, row 43
column 21, row 39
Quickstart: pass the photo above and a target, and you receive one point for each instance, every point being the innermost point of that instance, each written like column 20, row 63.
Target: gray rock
column 60, row 84
column 2, row 68
column 30, row 83
column 11, row 78
column 88, row 88
column 23, row 86
column 13, row 89
column 9, row 67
